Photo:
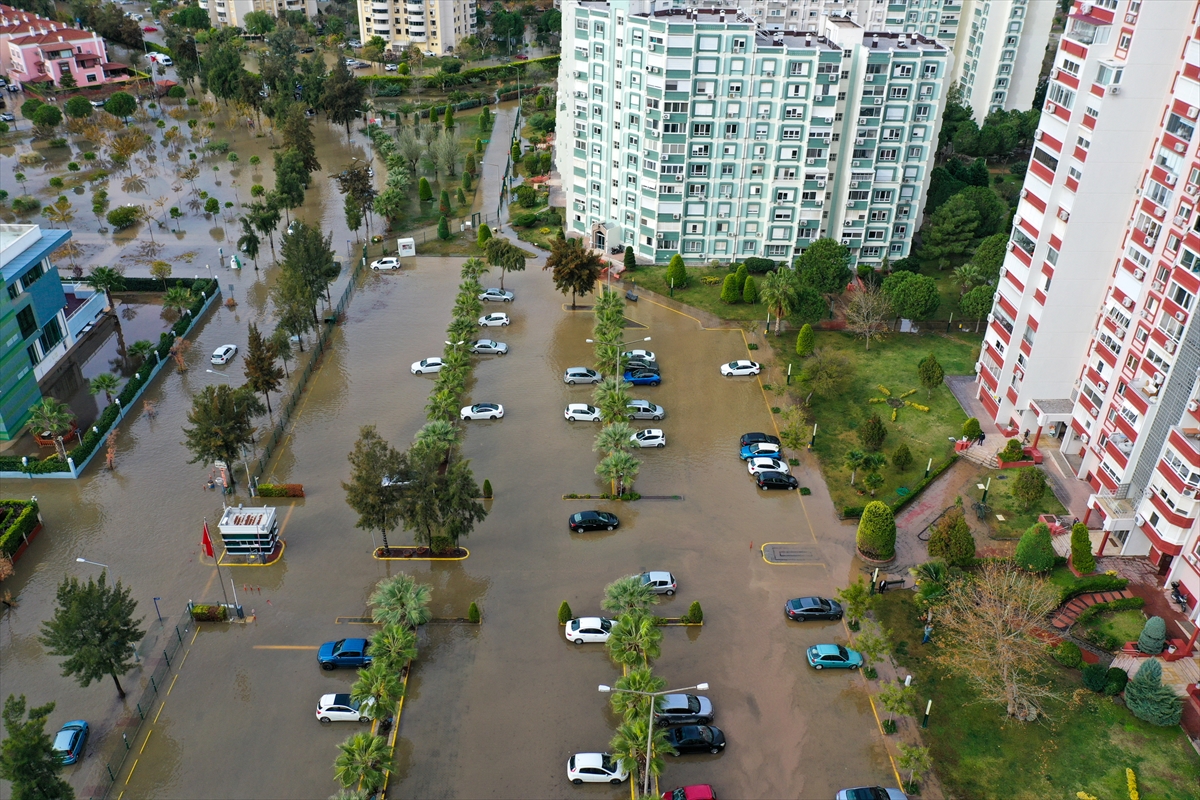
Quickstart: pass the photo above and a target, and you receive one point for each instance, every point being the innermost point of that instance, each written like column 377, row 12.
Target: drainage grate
column 788, row 553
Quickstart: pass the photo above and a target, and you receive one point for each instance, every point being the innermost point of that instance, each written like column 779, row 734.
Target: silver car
column 644, row 409
column 496, row 295
column 489, row 347
column 660, row 582
column 575, row 375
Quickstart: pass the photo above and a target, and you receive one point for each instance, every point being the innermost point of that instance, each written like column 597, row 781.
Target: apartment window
column 898, row 92
column 26, row 322
column 1083, row 142
column 1044, row 158
column 1021, row 240
column 51, row 335
column 1061, row 95
column 1180, row 295
column 1109, row 74
column 914, row 152
column 888, row 154
column 1181, row 468
column 1070, row 67
column 701, row 129
column 1159, row 194
column 1178, row 126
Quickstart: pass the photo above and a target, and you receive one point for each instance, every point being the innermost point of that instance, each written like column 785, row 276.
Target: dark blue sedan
column 69, row 741
column 643, row 377
column 344, row 653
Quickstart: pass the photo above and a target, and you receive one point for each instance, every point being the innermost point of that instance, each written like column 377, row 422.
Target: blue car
column 833, row 656
column 643, row 377
column 344, row 653
column 760, row 450
column 69, row 741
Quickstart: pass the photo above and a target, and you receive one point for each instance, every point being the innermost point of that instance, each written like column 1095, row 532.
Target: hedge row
column 99, row 429
column 20, row 527
column 155, row 285
column 280, row 490
column 1094, row 583
column 854, row 512
column 1097, row 609
column 207, row 613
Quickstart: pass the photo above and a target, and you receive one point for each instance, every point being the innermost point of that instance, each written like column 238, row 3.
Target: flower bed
column 280, row 490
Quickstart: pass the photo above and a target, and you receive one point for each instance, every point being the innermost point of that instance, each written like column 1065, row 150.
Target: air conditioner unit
column 1193, row 405
column 1159, row 212
column 1051, row 108
column 1038, row 135
column 878, row 101
column 862, row 120
column 679, row 179
column 1190, row 189
column 1179, row 315
column 1128, row 303
column 1085, row 8
column 845, row 241
column 1190, row 493
column 1139, row 274
column 663, row 158
column 1024, row 193
column 723, row 214
column 1083, row 437
column 1157, row 286
column 820, row 184
column 1193, row 112
column 1131, row 18
column 1103, row 386
column 860, row 141
column 810, row 161
column 676, row 217
column 1053, row 74
column 1170, row 179
column 1139, row 519
column 1064, row 215
column 653, row 48
column 1016, row 219
column 1179, row 220
column 1180, row 147
column 853, row 184
column 991, row 317
column 581, row 76
column 1171, row 348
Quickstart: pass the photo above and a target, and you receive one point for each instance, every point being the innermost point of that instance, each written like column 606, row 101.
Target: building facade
column 34, row 50
column 700, row 133
column 435, row 26
column 1092, row 332
column 233, row 12
column 998, row 45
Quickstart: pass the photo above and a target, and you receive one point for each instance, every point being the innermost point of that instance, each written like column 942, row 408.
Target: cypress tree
column 424, row 191
column 806, row 341
column 750, row 290
column 444, row 202
column 443, row 228
column 729, row 289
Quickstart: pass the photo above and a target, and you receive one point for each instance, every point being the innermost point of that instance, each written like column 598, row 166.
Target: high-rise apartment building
column 998, row 45
column 700, row 133
column 435, row 26
column 1092, row 330
column 233, row 12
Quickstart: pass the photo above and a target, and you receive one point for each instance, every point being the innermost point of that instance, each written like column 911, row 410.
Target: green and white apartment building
column 700, row 132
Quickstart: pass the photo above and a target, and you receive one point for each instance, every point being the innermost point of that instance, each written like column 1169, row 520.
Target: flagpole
column 216, row 561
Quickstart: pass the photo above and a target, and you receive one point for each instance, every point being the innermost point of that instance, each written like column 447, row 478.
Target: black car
column 696, row 739
column 776, row 480
column 593, row 521
column 684, row 709
column 641, row 363
column 757, row 438
column 307, row 49
column 803, row 608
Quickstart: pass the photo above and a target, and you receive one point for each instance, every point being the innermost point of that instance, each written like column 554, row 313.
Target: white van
column 161, row 58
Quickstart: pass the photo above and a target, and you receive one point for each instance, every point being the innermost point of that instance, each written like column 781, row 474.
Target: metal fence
column 158, row 658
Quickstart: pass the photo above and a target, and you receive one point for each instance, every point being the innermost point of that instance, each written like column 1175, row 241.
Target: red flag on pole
column 207, row 541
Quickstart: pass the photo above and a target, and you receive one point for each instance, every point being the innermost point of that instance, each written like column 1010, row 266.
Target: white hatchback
column 582, row 412
column 740, row 368
column 766, row 464
column 651, row 437
column 595, row 768
column 493, row 320
column 340, row 708
column 224, row 354
column 386, row 263
column 426, row 365
column 588, row 629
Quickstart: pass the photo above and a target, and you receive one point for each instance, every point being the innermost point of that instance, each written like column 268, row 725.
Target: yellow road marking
column 197, row 633
column 185, row 655
column 144, row 742
column 159, row 714
column 285, row 647
column 122, row 794
column 286, row 517
column 172, row 686
column 131, row 769
column 878, row 722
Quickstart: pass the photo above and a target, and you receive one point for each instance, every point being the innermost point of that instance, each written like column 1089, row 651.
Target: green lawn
column 1118, row 626
column 537, row 237
column 1084, row 745
column 698, row 294
column 1001, row 502
column 891, row 363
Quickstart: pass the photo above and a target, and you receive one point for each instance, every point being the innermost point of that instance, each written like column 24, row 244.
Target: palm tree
column 442, row 405
column 967, row 276
column 778, row 293
column 628, row 746
column 350, row 794
column 628, row 594
column 176, row 299
column 395, row 646
column 107, row 383
column 401, row 601
column 614, row 438
column 363, row 758
column 439, row 435
column 377, row 690
column 52, row 417
column 142, row 349
column 853, row 461
column 635, row 639
column 612, row 398
column 633, row 706
column 107, row 280
column 619, row 469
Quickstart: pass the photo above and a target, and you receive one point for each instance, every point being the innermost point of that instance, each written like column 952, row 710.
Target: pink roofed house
column 38, row 50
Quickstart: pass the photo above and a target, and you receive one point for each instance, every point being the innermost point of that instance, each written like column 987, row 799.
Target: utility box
column 406, row 247
column 249, row 531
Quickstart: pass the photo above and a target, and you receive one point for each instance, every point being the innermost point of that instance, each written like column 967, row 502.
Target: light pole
column 702, row 687
column 622, row 344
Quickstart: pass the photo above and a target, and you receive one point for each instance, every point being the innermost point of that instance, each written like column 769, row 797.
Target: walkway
column 1069, row 612
column 492, row 194
column 1176, row 674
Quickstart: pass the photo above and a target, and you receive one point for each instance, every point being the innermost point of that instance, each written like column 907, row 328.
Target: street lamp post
column 604, row 689
column 622, row 344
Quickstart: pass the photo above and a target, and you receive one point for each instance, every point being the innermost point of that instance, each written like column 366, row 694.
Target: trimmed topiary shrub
column 424, row 190
column 757, row 266
column 729, row 290
column 876, row 537
column 1153, row 637
column 1081, row 549
column 564, row 613
column 1095, row 677
column 872, row 433
column 695, row 614
column 443, row 229
column 971, row 429
column 676, row 272
column 1067, row 654
column 950, row 539
column 1034, row 551
column 1149, row 700
column 1012, row 451
column 280, row 490
column 473, row 613
column 487, row 489
column 750, row 290
column 741, row 274
column 1116, row 681
column 206, row 613
column 806, row 341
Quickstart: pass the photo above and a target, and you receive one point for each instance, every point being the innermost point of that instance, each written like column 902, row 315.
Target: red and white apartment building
column 1091, row 338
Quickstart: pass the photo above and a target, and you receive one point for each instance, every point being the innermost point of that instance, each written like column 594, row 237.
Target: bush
column 695, row 614
column 729, row 289
column 677, row 272
column 1029, row 487
column 424, row 190
column 902, row 457
column 1153, row 637
column 207, row 613
column 1067, row 654
column 1034, row 551
column 1013, row 451
column 26, row 204
column 527, row 196
column 1081, row 549
column 951, row 539
column 176, row 93
column 487, row 489
column 741, row 274
column 443, row 229
column 1098, row 583
column 58, row 141
column 23, row 518
column 1095, row 677
column 758, row 266
column 444, row 202
column 525, row 220
column 806, row 340
column 280, row 490
column 1149, row 700
column 564, row 613
column 750, row 291
column 473, row 613
column 1116, row 681
column 122, row 217
column 971, row 429
column 876, row 537
column 872, row 433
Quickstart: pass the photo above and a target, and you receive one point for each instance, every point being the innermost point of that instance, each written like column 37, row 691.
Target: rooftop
column 22, row 245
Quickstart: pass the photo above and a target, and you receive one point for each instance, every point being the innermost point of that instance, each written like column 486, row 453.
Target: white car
column 224, row 354
column 497, row 295
column 392, row 68
column 582, row 412
column 595, row 768
column 588, row 629
column 651, row 437
column 426, row 366
column 340, row 708
column 489, row 347
column 575, row 375
column 740, row 368
column 660, row 582
column 493, row 320
column 645, row 355
column 767, row 464
column 483, row 411
column 386, row 263
column 644, row 409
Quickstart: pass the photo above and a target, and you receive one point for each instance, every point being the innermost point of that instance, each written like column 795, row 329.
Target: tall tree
column 309, row 256
column 220, row 419
column 107, row 280
column 867, row 313
column 378, row 689
column 505, row 256
column 825, row 266
column 778, row 293
column 573, row 267
column 262, row 373
column 372, row 492
column 249, row 242
column 105, row 382
column 94, row 629
column 628, row 746
column 635, row 640
column 931, row 373
column 343, row 95
column 264, row 216
column 363, row 759
column 222, row 71
column 297, row 134
column 438, row 500
column 911, row 296
column 28, row 759
column 291, row 179
column 951, row 230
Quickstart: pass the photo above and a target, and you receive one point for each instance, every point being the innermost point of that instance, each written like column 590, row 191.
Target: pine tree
column 1034, row 550
column 1153, row 637
column 484, row 234
column 806, row 340
column 931, row 373
column 951, row 539
column 743, row 272
column 424, row 191
column 1081, row 549
column 1149, row 700
column 467, row 181
column 872, row 433
column 444, row 202
column 729, row 289
column 515, row 152
column 902, row 457
column 876, row 537
column 448, row 119
column 443, row 231
column 262, row 373
column 750, row 290
column 93, row 629
column 28, row 759
column 951, row 230
column 469, row 165
column 459, row 197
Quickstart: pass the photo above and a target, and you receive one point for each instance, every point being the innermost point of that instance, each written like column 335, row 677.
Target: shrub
column 564, row 613
column 971, row 429
column 444, row 202
column 443, row 230
column 1081, row 549
column 280, row 490
column 876, row 537
column 1029, row 487
column 1095, row 677
column 473, row 615
column 525, row 220
column 424, row 190
column 1013, row 451
column 487, row 488
column 695, row 614
column 630, row 258
column 25, row 205
column 1149, row 700
column 23, row 519
column 757, row 266
column 1067, row 654
column 1099, row 583
column 806, row 340
column 951, row 539
column 677, row 272
column 527, row 196
column 750, row 291
column 1034, row 551
column 122, row 217
column 872, row 433
column 176, row 93
column 1116, row 681
column 207, row 613
column 902, row 457
column 741, row 274
column 1153, row 637
column 729, row 290
column 484, row 234
column 58, row 141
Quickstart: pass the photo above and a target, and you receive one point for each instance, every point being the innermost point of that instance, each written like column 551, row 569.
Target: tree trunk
column 120, row 691
column 383, row 534
column 267, row 397
column 572, row 299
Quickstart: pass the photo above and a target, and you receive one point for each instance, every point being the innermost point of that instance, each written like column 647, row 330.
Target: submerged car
column 697, row 791
column 593, row 521
column 224, row 354
column 644, row 409
column 386, row 263
column 767, row 464
column 643, row 377
column 595, row 768
column 483, row 411
column 344, row 653
column 340, row 708
column 833, row 656
column 776, row 480
column 581, row 412
column 684, row 709
column 493, row 320
column 496, row 295
column 488, row 347
column 660, row 582
column 574, row 375
column 759, row 450
column 696, row 739
column 426, row 365
column 69, row 741
column 588, row 629
column 758, row 438
column 651, row 437
column 871, row 793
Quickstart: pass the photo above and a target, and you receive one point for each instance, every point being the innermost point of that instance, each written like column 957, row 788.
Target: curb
column 272, row 562
column 421, row 558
